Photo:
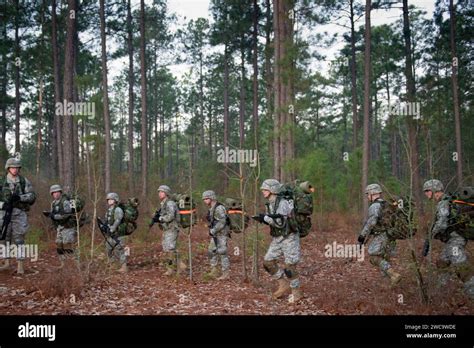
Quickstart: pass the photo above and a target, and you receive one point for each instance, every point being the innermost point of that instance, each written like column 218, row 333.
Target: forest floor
column 332, row 286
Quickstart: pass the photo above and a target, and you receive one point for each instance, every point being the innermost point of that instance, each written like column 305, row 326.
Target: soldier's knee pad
column 270, row 266
column 290, row 271
column 222, row 250
column 60, row 251
column 375, row 260
column 68, row 248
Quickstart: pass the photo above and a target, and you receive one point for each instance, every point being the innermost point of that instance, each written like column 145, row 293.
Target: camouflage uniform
column 453, row 253
column 169, row 211
column 18, row 226
column 381, row 247
column 219, row 229
column 62, row 210
column 115, row 245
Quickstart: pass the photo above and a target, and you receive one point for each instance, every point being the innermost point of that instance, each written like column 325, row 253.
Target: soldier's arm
column 170, row 214
column 28, row 196
column 284, row 209
column 372, row 218
column 221, row 219
column 118, row 219
column 442, row 215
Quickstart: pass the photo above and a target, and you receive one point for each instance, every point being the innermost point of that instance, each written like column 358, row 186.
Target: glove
column 212, row 233
column 361, row 240
column 260, row 218
column 15, row 198
column 267, row 219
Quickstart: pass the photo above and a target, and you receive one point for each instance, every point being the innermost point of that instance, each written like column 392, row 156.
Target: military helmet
column 373, row 189
column 209, row 194
column 166, row 189
column 433, row 185
column 13, row 163
column 55, row 188
column 271, row 185
column 114, row 196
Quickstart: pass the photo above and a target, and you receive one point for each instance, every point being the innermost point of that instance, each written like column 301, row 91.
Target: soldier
column 166, row 216
column 62, row 214
column 16, row 198
column 284, row 242
column 115, row 243
column 381, row 247
column 219, row 232
column 454, row 252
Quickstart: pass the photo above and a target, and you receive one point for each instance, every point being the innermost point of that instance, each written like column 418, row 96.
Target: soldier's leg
column 170, row 238
column 20, row 226
column 69, row 243
column 270, row 260
column 212, row 253
column 224, row 258
column 6, row 260
column 379, row 254
column 59, row 244
column 120, row 254
column 292, row 252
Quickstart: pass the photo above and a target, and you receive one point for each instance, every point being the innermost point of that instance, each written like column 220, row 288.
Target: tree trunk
column 353, row 66
column 40, row 117
column 57, row 129
column 411, row 122
column 105, row 95
column 68, row 92
column 277, row 157
column 17, row 78
column 367, row 77
column 226, row 110
column 131, row 82
column 242, row 95
column 144, row 101
column 454, row 79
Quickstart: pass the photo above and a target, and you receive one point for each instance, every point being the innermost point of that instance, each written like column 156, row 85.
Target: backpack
column 461, row 217
column 234, row 215
column 300, row 195
column 210, row 219
column 130, row 216
column 186, row 211
column 397, row 218
column 77, row 203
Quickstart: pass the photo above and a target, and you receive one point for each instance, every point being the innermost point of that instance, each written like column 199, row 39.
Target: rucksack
column 397, row 218
column 130, row 216
column 210, row 219
column 299, row 194
column 461, row 217
column 77, row 203
column 234, row 215
column 186, row 210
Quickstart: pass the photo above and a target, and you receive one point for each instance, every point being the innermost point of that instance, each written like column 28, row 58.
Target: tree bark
column 353, row 66
column 454, row 79
column 144, row 101
column 367, row 77
column 18, row 63
column 68, row 92
column 131, row 82
column 105, row 95
column 226, row 110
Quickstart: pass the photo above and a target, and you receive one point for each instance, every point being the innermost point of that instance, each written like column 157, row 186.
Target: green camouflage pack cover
column 461, row 217
column 238, row 220
column 130, row 216
column 398, row 218
column 300, row 192
column 186, row 210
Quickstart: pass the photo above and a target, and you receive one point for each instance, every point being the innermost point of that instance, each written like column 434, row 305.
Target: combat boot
column 214, row 272
column 283, row 288
column 181, row 267
column 20, row 269
column 123, row 268
column 296, row 295
column 6, row 265
column 394, row 276
column 225, row 275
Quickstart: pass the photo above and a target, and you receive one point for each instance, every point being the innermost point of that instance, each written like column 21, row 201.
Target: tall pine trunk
column 144, row 122
column 365, row 151
column 131, row 82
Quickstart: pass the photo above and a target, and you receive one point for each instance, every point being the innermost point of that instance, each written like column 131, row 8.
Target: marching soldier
column 115, row 242
column 62, row 214
column 381, row 247
column 284, row 242
column 454, row 253
column 16, row 197
column 219, row 232
column 166, row 216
